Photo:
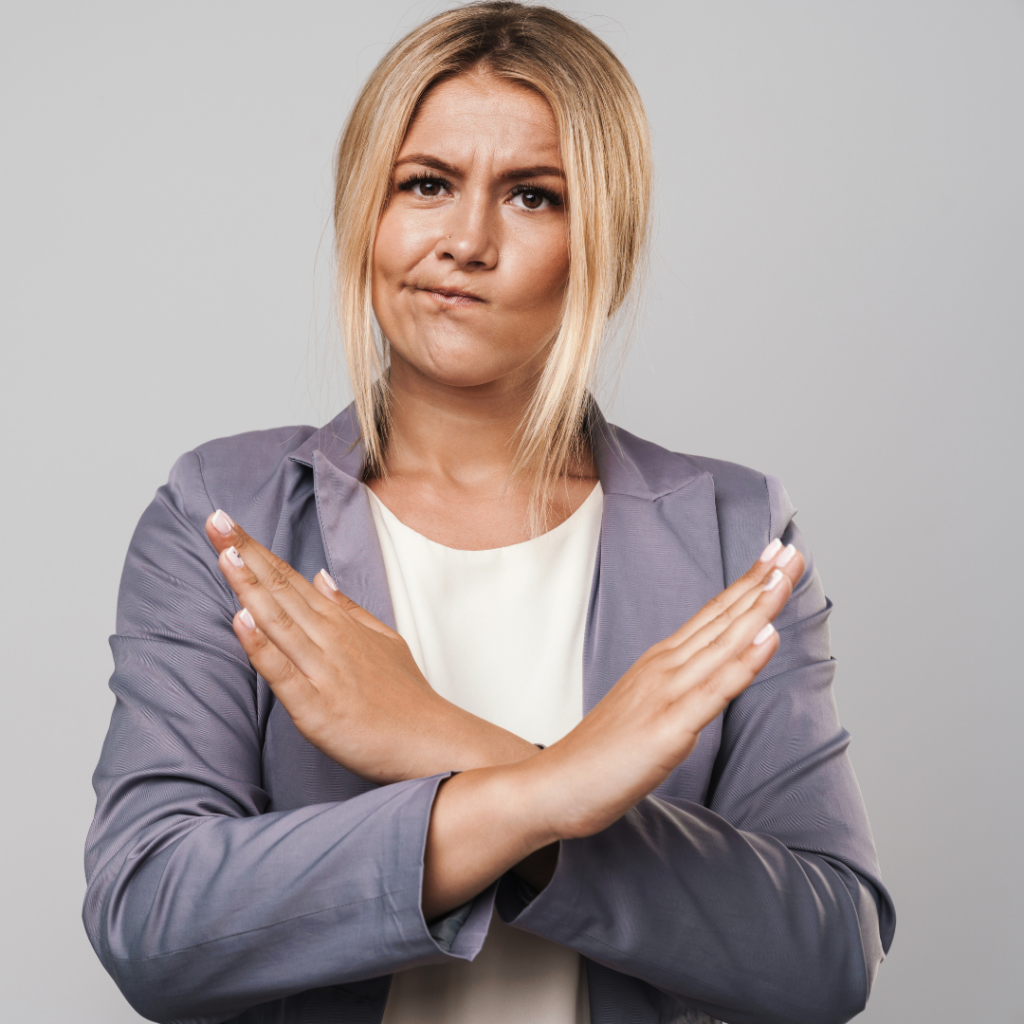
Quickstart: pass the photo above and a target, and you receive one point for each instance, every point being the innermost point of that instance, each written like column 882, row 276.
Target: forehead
column 475, row 113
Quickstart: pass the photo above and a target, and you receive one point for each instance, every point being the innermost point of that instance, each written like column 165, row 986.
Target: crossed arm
column 206, row 897
column 353, row 690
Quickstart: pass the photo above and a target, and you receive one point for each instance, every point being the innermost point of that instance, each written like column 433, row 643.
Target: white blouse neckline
column 570, row 523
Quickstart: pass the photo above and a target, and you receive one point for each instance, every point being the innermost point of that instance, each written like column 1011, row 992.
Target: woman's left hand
column 349, row 683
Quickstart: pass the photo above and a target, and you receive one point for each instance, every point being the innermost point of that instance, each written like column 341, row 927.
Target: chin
column 464, row 374
column 461, row 363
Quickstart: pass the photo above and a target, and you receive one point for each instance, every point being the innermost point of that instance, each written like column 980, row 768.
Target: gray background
column 837, row 297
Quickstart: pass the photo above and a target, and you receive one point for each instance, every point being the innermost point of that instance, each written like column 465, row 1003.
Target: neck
column 467, row 435
column 449, row 457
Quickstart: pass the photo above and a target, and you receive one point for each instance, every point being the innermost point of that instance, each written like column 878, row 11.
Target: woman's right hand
column 487, row 820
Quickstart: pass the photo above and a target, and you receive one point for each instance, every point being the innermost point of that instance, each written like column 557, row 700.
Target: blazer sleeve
column 765, row 906
column 199, row 902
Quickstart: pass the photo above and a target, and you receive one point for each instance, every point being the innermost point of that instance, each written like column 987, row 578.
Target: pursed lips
column 451, row 296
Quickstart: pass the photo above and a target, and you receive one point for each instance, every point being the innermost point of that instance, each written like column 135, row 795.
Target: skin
column 463, row 368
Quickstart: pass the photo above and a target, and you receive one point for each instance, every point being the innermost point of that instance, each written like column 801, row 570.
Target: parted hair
column 605, row 149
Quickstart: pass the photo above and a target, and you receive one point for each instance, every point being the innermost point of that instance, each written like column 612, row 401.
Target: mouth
column 452, row 296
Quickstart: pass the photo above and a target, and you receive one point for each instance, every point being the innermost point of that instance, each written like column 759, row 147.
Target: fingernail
column 250, row 623
column 327, row 578
column 234, row 557
column 769, row 552
column 763, row 634
column 773, row 581
column 787, row 556
column 223, row 523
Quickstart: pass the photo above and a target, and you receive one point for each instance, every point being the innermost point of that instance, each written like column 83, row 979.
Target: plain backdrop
column 836, row 297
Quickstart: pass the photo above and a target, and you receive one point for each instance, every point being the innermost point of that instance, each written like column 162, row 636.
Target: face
column 471, row 257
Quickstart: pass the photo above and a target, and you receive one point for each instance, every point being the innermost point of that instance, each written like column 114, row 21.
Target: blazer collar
column 625, row 464
column 638, row 469
column 338, row 441
column 658, row 561
column 354, row 558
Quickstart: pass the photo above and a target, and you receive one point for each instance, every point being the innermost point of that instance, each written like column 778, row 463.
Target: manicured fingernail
column 763, row 634
column 234, row 557
column 222, row 523
column 787, row 556
column 327, row 579
column 773, row 581
column 769, row 552
column 250, row 623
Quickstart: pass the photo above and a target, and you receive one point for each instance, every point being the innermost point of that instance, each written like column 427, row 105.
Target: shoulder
column 245, row 462
column 738, row 489
column 751, row 507
column 246, row 474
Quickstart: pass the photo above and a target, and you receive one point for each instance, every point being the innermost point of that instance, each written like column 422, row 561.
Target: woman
column 383, row 801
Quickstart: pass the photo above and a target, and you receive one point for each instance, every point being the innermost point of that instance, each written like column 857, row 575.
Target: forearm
column 468, row 742
column 731, row 922
column 484, row 822
column 203, row 915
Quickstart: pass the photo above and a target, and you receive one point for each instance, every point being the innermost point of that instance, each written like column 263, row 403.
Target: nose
column 471, row 241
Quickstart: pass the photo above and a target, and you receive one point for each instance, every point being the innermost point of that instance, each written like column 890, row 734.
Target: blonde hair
column 606, row 158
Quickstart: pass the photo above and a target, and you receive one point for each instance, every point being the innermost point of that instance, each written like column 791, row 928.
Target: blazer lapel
column 659, row 561
column 350, row 541
column 295, row 773
column 659, row 557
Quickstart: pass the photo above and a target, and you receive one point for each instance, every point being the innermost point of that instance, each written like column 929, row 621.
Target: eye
column 531, row 197
column 425, row 186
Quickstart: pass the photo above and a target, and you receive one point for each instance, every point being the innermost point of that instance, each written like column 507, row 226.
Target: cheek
column 538, row 265
column 396, row 246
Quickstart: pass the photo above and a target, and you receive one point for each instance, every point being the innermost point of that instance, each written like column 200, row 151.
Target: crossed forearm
column 484, row 822
column 354, row 691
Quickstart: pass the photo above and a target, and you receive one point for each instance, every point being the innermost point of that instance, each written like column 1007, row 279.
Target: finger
column 292, row 591
column 272, row 618
column 703, row 703
column 745, row 590
column 784, row 578
column 735, row 599
column 326, row 586
column 702, row 661
column 290, row 686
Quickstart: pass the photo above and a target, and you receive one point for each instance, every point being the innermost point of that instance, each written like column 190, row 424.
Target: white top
column 499, row 633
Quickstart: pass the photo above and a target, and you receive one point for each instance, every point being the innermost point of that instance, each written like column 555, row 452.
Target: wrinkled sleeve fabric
column 765, row 905
column 200, row 903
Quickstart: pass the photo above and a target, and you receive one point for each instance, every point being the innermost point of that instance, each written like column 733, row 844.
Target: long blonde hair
column 605, row 152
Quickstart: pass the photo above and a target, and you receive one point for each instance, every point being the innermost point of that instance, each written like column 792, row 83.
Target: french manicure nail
column 787, row 556
column 763, row 634
column 234, row 557
column 327, row 579
column 769, row 552
column 774, row 580
column 223, row 523
column 250, row 623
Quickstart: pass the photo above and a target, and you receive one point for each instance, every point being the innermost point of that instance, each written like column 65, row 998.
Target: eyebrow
column 426, row 160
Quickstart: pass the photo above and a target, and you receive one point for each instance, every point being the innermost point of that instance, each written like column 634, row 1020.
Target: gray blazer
column 235, row 872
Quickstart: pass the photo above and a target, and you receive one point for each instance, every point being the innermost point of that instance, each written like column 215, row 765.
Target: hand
column 485, row 822
column 651, row 720
column 349, row 683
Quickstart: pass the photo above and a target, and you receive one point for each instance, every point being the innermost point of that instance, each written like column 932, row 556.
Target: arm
column 793, row 917
column 200, row 904
column 765, row 906
column 337, row 672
